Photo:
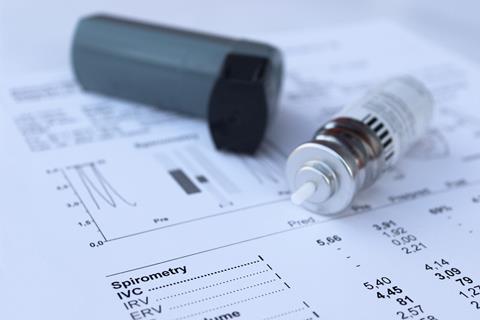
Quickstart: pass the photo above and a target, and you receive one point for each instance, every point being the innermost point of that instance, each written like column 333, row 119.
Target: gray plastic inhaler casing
column 234, row 84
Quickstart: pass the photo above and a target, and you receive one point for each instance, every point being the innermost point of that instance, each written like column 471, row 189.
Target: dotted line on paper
column 284, row 314
column 214, row 285
column 230, row 304
column 221, row 295
column 204, row 275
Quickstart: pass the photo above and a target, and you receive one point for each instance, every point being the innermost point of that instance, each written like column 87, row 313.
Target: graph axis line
column 83, row 204
column 197, row 219
column 341, row 217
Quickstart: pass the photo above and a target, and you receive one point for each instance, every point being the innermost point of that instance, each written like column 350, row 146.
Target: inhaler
column 352, row 150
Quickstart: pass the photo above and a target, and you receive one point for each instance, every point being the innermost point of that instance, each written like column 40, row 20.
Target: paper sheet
column 119, row 211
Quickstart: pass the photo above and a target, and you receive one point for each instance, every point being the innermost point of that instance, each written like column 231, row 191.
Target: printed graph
column 91, row 191
column 197, row 173
column 100, row 190
column 186, row 180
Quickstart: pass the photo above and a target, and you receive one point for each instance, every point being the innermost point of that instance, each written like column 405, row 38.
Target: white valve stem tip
column 304, row 192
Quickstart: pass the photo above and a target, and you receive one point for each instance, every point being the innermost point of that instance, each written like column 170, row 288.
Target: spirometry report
column 118, row 211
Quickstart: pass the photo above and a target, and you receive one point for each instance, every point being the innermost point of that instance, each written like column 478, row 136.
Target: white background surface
column 35, row 35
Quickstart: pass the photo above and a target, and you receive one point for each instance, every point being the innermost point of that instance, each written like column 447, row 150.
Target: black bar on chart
column 184, row 181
